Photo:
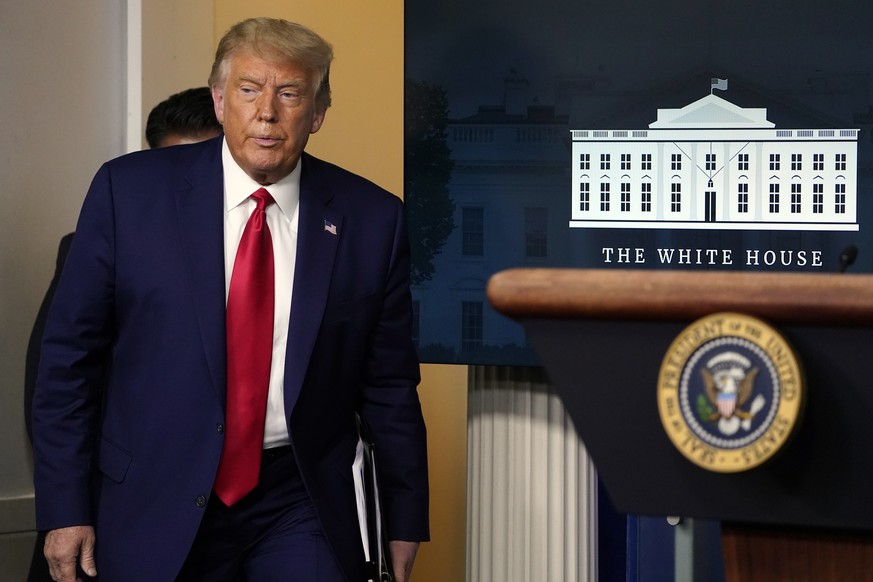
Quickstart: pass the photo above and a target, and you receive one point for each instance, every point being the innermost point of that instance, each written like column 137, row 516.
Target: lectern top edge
column 783, row 298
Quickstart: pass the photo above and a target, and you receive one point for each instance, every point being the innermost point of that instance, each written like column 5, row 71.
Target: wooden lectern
column 807, row 513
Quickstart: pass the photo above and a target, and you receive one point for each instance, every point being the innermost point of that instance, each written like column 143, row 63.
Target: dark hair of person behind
column 187, row 113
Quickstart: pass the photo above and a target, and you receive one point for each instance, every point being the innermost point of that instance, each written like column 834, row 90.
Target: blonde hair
column 294, row 41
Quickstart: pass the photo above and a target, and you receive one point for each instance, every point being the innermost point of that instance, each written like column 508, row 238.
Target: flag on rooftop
column 720, row 84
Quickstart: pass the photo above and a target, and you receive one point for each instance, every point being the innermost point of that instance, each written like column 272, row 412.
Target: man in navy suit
column 124, row 475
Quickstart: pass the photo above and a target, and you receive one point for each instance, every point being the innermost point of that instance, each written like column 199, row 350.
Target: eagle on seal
column 728, row 391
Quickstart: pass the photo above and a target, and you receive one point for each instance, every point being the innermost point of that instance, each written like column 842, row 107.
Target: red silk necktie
column 249, row 353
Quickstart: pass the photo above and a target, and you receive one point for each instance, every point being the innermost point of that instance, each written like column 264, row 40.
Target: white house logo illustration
column 713, row 165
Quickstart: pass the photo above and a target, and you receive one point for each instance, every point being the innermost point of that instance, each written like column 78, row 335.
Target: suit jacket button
column 200, row 501
column 219, row 428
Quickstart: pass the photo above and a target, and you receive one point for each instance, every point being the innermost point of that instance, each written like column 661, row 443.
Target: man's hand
column 402, row 557
column 66, row 545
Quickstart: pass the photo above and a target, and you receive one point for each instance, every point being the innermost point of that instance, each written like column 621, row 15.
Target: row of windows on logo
column 839, row 198
column 579, row 134
column 711, row 162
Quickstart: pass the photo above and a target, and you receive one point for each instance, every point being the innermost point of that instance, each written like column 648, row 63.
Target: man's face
column 267, row 107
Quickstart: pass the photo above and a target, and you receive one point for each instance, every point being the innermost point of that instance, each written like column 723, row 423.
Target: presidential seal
column 730, row 392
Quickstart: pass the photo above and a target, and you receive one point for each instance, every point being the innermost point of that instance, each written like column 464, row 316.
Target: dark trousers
column 272, row 534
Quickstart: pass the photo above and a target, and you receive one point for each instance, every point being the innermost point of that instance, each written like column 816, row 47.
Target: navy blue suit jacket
column 144, row 289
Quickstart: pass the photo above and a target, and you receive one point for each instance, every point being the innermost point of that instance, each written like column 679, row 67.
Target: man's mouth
column 266, row 140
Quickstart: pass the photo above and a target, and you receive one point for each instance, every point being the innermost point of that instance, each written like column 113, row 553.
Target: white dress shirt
column 282, row 218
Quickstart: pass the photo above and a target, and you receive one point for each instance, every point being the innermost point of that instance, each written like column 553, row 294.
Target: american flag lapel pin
column 330, row 227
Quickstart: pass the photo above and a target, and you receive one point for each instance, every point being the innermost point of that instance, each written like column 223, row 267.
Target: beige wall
column 443, row 393
column 177, row 51
column 61, row 115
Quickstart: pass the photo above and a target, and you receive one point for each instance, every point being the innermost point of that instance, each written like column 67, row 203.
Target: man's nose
column 266, row 108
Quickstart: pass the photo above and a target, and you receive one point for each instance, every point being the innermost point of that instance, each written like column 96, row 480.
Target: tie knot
column 262, row 198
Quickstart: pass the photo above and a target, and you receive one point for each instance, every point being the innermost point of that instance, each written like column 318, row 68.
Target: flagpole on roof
column 716, row 83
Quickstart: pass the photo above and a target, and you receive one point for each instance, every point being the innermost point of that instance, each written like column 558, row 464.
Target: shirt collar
column 238, row 185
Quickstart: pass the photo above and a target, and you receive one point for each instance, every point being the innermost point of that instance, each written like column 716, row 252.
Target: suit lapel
column 319, row 231
column 200, row 205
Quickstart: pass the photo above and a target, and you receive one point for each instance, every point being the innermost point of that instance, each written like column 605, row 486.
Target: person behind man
column 184, row 117
column 252, row 300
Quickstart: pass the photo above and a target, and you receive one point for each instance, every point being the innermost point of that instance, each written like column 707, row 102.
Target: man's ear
column 218, row 103
column 317, row 121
